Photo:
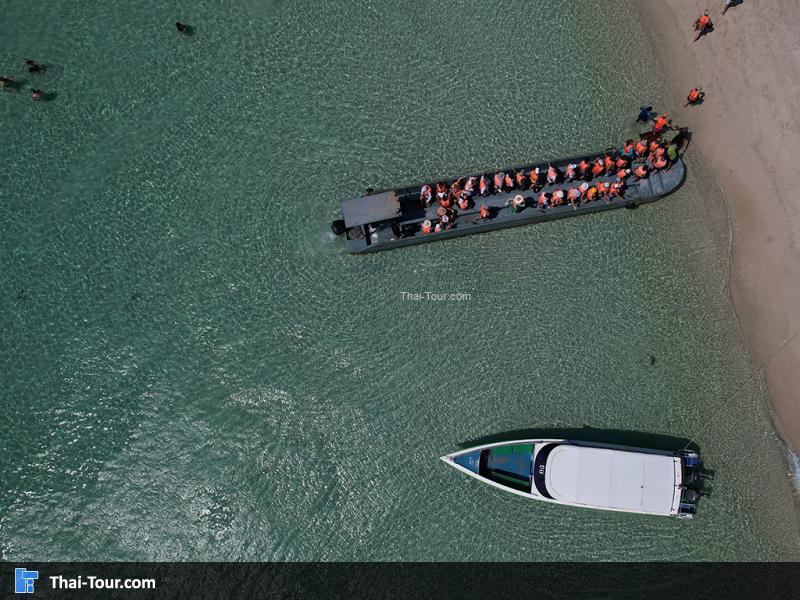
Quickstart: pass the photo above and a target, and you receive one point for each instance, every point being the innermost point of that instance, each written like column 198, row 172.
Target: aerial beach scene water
column 195, row 367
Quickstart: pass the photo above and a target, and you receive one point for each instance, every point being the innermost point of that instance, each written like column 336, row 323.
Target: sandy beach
column 748, row 130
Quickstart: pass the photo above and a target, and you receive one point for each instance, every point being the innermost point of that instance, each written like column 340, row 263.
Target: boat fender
column 338, row 227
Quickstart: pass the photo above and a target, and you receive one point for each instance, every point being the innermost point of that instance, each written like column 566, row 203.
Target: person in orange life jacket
column 484, row 185
column 702, row 25
column 695, row 94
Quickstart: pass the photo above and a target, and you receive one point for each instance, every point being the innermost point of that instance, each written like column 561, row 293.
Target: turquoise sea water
column 193, row 369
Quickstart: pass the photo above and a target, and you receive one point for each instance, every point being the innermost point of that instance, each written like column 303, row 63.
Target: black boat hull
column 468, row 222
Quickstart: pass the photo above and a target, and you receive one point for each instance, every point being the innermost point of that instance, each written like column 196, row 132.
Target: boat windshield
column 508, row 465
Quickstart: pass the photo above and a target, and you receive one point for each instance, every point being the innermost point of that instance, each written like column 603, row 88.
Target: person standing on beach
column 660, row 124
column 694, row 97
column 702, row 25
column 645, row 114
column 728, row 4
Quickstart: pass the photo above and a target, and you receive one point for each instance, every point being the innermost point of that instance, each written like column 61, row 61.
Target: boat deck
column 466, row 222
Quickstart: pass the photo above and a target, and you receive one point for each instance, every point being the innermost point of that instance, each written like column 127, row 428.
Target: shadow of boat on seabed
column 637, row 439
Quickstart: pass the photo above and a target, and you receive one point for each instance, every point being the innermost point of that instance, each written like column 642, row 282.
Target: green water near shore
column 193, row 369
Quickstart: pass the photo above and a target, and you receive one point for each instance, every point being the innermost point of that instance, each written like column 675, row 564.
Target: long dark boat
column 393, row 218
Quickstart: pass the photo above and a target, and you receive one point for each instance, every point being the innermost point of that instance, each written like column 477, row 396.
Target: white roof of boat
column 620, row 479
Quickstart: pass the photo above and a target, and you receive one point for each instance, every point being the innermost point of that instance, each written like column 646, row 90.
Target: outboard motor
column 338, row 227
column 690, row 459
column 690, row 496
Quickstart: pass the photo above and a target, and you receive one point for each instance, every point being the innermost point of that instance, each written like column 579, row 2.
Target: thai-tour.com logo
column 23, row 580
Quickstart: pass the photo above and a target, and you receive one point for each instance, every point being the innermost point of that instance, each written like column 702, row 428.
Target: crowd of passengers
column 582, row 182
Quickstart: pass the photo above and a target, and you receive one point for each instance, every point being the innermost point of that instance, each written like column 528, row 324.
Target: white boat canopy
column 621, row 480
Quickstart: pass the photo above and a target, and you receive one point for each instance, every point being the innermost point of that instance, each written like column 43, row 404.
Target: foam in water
column 794, row 469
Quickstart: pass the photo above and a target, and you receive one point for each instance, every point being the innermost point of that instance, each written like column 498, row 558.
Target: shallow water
column 194, row 369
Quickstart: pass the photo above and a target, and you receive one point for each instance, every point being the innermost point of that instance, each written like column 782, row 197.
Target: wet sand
column 748, row 130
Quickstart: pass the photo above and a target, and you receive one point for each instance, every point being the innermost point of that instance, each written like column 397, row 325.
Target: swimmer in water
column 31, row 66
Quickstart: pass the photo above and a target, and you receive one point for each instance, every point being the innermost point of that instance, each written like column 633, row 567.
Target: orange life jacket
column 641, row 171
column 509, row 182
column 608, row 162
column 622, row 163
column 704, row 21
column 583, row 166
column 622, row 173
column 598, row 167
column 694, row 95
column 591, row 193
column 641, row 147
column 484, row 212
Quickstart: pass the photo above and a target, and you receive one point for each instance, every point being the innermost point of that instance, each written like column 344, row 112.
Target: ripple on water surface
column 196, row 370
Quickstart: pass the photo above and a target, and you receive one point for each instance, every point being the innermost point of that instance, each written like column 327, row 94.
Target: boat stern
column 691, row 476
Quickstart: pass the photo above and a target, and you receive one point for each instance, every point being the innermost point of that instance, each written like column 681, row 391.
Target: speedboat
column 588, row 474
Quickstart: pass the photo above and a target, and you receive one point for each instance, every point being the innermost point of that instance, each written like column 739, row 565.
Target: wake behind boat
column 635, row 174
column 588, row 474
